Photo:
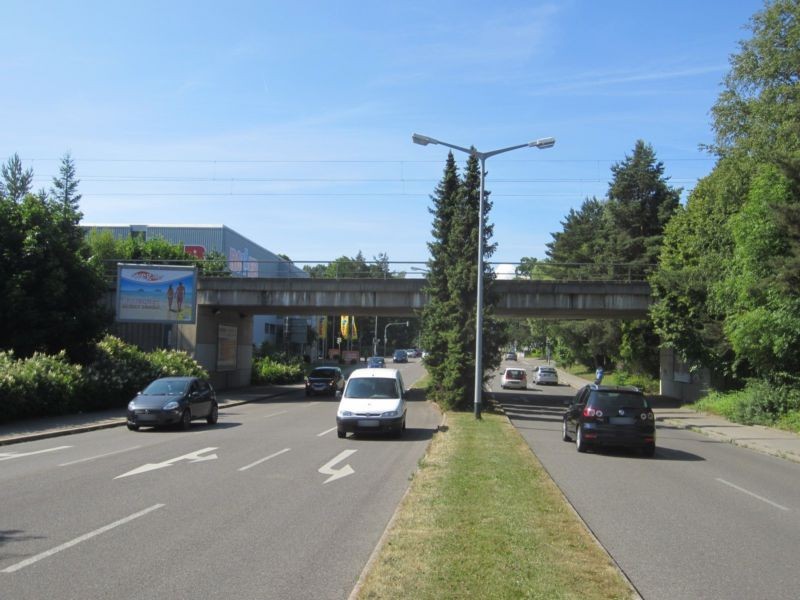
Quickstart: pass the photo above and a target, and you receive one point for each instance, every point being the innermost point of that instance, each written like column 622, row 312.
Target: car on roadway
column 544, row 375
column 514, row 377
column 601, row 415
column 374, row 400
column 510, row 356
column 173, row 401
column 324, row 380
column 376, row 362
column 400, row 356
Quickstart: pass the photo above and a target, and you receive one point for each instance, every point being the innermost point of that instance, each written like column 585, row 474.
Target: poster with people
column 156, row 294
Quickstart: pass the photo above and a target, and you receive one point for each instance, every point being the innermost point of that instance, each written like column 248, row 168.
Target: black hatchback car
column 601, row 415
column 324, row 380
column 173, row 401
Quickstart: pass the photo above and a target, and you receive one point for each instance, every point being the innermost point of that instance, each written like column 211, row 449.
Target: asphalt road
column 268, row 503
column 702, row 519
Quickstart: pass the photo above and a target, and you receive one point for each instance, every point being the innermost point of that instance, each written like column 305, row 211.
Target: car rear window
column 549, row 370
column 515, row 374
column 322, row 373
column 372, row 387
column 616, row 400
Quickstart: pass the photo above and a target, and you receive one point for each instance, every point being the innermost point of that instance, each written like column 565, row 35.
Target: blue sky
column 291, row 122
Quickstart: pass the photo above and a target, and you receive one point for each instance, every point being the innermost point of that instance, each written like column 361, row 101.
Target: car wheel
column 186, row 420
column 649, row 450
column 213, row 416
column 580, row 443
column 564, row 434
column 341, row 433
column 133, row 427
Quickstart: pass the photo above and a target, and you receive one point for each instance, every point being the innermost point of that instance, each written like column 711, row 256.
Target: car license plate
column 368, row 423
column 622, row 420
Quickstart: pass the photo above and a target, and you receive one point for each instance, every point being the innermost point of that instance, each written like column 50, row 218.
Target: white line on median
column 326, row 431
column 80, row 460
column 749, row 493
column 266, row 458
column 78, row 540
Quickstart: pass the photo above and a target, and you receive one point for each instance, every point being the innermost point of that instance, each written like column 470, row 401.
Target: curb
column 109, row 424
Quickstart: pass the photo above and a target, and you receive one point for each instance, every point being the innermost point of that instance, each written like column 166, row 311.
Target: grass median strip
column 484, row 520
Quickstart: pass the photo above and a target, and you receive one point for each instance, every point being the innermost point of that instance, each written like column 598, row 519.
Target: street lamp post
column 541, row 143
column 385, row 331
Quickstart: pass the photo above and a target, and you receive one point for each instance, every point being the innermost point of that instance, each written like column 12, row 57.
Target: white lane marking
column 326, row 431
column 266, row 458
column 275, row 414
column 78, row 540
column 80, row 460
column 191, row 457
column 749, row 493
column 327, row 468
column 10, row 455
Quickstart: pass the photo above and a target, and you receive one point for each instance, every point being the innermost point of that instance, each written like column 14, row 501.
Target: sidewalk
column 777, row 442
column 37, row 429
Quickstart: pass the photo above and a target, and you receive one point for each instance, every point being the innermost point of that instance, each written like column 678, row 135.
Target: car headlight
column 345, row 413
column 171, row 405
column 131, row 405
column 390, row 413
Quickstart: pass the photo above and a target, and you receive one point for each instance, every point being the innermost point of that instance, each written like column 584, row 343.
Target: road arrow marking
column 193, row 457
column 10, row 455
column 327, row 468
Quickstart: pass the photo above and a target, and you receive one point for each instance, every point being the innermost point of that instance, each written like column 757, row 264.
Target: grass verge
column 482, row 519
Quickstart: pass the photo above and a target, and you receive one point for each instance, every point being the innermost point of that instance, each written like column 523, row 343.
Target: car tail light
column 591, row 412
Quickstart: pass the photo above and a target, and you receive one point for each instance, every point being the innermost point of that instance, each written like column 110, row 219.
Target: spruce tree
column 436, row 315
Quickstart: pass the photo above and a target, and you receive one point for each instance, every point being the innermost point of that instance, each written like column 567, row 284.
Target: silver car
column 545, row 375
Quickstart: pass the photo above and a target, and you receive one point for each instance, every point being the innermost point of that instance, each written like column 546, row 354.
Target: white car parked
column 374, row 400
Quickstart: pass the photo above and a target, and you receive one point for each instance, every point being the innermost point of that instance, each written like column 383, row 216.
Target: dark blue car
column 173, row 401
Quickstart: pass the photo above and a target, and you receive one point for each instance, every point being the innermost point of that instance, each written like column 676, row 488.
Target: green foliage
column 43, row 385
column 346, row 267
column 49, row 295
column 268, row 370
column 759, row 109
column 39, row 385
column 759, row 403
column 615, row 238
column 449, row 319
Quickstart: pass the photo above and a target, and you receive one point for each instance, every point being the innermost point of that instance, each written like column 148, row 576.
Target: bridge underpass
column 227, row 305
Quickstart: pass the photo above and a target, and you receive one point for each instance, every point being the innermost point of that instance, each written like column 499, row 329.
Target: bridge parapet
column 406, row 297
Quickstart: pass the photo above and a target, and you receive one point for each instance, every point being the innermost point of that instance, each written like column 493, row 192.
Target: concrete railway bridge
column 231, row 302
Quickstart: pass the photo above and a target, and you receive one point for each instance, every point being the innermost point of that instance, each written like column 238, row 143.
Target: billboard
column 226, row 348
column 156, row 294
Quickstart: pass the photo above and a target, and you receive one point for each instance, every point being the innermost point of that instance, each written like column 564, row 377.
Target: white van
column 374, row 400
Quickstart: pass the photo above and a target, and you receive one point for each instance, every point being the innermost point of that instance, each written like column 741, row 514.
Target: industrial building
column 244, row 258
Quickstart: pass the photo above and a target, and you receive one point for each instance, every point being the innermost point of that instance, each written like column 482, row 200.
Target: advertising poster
column 226, row 348
column 156, row 294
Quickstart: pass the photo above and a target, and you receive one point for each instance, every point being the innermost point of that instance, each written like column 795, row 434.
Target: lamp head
column 543, row 143
column 422, row 140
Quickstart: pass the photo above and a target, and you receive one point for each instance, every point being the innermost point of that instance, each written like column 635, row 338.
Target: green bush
column 50, row 385
column 759, row 403
column 268, row 370
column 39, row 385
column 119, row 370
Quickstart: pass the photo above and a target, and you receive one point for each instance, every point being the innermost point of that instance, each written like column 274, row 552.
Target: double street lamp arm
column 541, row 143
